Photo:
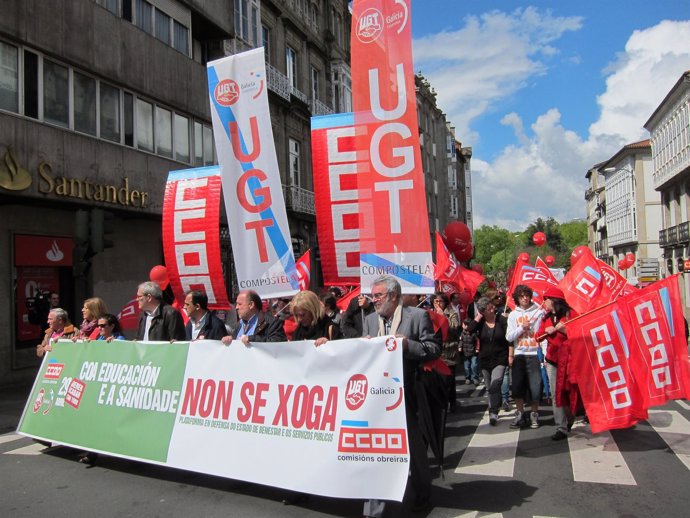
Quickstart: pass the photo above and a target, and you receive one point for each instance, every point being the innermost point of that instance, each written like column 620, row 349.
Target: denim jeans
column 527, row 378
column 505, row 387
column 471, row 369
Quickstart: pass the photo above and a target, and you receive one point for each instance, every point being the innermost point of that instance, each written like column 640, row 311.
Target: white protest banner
column 282, row 414
column 252, row 189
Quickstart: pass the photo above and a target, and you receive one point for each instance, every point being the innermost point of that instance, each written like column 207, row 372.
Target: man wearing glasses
column 420, row 344
column 158, row 322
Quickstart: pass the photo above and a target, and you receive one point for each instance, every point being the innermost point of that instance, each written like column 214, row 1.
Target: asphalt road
column 489, row 471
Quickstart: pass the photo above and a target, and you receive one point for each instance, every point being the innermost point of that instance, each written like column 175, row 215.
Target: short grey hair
column 483, row 303
column 60, row 313
column 151, row 288
column 391, row 283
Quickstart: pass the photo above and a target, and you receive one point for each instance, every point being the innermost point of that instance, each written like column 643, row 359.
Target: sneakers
column 559, row 436
column 468, row 382
column 477, row 383
column 519, row 420
column 493, row 419
column 505, row 406
column 534, row 420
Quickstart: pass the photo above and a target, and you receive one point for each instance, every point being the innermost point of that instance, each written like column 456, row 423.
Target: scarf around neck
column 395, row 322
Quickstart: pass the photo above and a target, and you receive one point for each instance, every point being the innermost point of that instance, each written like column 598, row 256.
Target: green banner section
column 119, row 397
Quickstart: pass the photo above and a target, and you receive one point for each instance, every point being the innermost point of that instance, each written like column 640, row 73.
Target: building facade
column 669, row 129
column 595, row 199
column 100, row 99
column 633, row 212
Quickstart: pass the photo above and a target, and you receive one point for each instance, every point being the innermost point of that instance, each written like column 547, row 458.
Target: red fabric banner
column 394, row 224
column 538, row 277
column 335, row 197
column 514, row 281
column 191, row 234
column 344, row 301
column 452, row 276
column 584, row 285
column 303, row 268
column 600, row 345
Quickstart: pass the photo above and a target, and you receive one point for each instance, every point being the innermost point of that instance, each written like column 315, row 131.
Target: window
column 198, row 145
column 208, row 145
column 342, row 88
column 181, row 38
column 9, row 77
column 110, row 113
column 163, row 132
column 247, row 21
column 181, row 132
column 266, row 42
column 144, row 125
column 110, row 5
column 294, row 146
column 163, row 27
column 314, row 83
column 30, row 84
column 55, row 93
column 84, row 104
column 144, row 16
column 291, row 66
column 129, row 119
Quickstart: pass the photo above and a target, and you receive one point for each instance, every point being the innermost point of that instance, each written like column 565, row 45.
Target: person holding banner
column 91, row 312
column 158, row 322
column 109, row 328
column 523, row 323
column 202, row 325
column 312, row 321
column 59, row 327
column 420, row 344
column 553, row 329
column 254, row 325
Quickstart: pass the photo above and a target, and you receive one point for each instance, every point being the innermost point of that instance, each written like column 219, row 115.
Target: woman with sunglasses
column 109, row 328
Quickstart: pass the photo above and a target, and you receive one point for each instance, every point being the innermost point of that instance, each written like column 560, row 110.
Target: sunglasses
column 103, row 325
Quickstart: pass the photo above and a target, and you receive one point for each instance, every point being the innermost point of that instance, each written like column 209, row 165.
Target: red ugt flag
column 303, row 268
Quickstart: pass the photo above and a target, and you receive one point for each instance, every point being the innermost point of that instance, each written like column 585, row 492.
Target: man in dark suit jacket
column 202, row 325
column 158, row 321
column 420, row 344
column 254, row 325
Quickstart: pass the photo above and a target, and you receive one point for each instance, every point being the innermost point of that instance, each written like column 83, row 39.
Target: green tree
column 551, row 228
column 574, row 234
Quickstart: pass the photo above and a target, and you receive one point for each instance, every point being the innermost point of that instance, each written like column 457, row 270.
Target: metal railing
column 278, row 82
column 320, row 108
column 298, row 199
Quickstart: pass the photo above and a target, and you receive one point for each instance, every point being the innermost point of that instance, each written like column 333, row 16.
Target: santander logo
column 356, row 391
column 55, row 254
column 370, row 25
column 226, row 92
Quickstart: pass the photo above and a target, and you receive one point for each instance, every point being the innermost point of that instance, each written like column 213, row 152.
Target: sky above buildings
column 542, row 90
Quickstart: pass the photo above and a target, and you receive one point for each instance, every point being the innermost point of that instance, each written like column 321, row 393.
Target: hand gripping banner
column 336, row 197
column 394, row 225
column 191, row 234
column 326, row 421
column 252, row 189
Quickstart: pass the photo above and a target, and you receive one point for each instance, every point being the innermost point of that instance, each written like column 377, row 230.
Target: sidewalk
column 12, row 401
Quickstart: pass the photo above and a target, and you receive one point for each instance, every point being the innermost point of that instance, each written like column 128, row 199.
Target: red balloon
column 623, row 264
column 159, row 275
column 578, row 252
column 523, row 257
column 465, row 253
column 549, row 260
column 630, row 258
column 539, row 238
column 478, row 268
column 456, row 235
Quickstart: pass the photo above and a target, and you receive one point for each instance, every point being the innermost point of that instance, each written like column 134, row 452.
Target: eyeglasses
column 103, row 325
column 378, row 296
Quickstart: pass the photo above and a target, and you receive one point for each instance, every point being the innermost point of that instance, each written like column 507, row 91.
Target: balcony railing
column 278, row 82
column 319, row 108
column 663, row 241
column 299, row 200
column 672, row 235
column 601, row 248
column 300, row 95
column 684, row 232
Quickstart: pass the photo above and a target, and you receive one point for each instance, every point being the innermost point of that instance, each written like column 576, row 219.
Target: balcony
column 662, row 238
column 278, row 82
column 299, row 200
column 300, row 95
column 684, row 232
column 601, row 248
column 319, row 108
column 672, row 236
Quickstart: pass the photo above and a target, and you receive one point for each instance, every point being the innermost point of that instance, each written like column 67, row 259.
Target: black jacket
column 352, row 322
column 493, row 346
column 324, row 328
column 214, row 329
column 268, row 329
column 167, row 324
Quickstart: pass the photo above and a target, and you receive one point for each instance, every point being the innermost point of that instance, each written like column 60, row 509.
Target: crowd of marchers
column 514, row 354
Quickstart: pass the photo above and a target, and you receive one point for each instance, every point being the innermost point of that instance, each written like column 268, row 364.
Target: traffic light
column 101, row 230
column 81, row 255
